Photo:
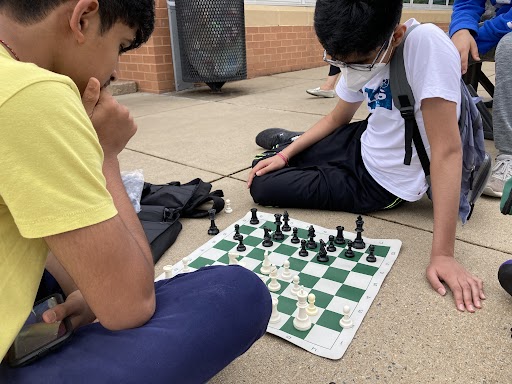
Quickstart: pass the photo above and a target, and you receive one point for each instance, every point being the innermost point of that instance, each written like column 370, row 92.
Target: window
column 434, row 4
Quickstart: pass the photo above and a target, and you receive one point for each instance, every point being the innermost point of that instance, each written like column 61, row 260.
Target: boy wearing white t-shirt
column 359, row 167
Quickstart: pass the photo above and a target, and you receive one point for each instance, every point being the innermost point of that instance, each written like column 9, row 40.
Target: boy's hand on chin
column 111, row 120
column 467, row 289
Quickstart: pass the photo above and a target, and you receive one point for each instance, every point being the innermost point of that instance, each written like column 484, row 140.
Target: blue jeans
column 203, row 321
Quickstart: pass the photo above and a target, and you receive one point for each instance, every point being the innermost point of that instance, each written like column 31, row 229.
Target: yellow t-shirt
column 51, row 180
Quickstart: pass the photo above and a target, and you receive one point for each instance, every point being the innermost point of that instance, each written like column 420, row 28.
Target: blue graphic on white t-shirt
column 380, row 97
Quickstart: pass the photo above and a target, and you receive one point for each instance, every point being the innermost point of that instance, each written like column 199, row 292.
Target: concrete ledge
column 122, row 87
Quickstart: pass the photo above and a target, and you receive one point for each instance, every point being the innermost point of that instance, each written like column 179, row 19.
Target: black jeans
column 329, row 175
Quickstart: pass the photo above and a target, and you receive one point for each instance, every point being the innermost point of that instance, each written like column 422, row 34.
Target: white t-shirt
column 432, row 65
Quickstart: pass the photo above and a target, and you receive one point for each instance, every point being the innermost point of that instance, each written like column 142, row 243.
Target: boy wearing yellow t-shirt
column 61, row 191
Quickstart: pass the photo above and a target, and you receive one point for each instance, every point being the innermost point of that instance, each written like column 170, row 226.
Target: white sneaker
column 501, row 172
column 321, row 93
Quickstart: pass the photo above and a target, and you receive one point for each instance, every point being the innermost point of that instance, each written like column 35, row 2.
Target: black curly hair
column 139, row 14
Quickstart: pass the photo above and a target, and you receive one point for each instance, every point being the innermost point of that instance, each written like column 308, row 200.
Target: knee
column 257, row 190
column 504, row 49
column 248, row 299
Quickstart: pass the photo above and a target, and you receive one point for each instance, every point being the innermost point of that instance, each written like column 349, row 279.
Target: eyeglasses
column 357, row 67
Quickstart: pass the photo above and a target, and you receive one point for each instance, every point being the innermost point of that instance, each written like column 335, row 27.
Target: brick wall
column 270, row 49
column 151, row 65
column 281, row 49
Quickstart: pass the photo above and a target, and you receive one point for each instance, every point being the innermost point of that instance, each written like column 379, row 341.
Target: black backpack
column 476, row 167
column 162, row 206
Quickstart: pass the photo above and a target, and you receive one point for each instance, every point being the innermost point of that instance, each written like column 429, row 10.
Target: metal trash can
column 211, row 36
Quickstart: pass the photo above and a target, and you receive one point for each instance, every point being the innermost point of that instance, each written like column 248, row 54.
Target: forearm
column 124, row 207
column 446, row 179
column 60, row 274
column 341, row 115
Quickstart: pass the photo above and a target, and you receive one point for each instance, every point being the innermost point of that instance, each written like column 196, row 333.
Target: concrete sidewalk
column 410, row 334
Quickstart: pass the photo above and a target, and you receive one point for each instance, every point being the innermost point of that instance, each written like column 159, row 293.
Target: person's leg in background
column 204, row 320
column 327, row 88
column 502, row 119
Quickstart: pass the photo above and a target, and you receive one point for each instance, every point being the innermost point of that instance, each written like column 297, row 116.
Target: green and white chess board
column 341, row 281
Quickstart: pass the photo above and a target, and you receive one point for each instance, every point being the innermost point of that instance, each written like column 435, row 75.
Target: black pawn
column 349, row 252
column 237, row 232
column 358, row 242
column 213, row 230
column 340, row 240
column 322, row 254
column 278, row 234
column 371, row 256
column 254, row 217
column 286, row 226
column 303, row 251
column 295, row 239
column 241, row 247
column 331, row 247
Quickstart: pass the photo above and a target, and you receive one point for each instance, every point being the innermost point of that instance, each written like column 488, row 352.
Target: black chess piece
column 286, row 226
column 322, row 254
column 311, row 244
column 349, row 252
column 303, row 251
column 331, row 247
column 295, row 239
column 278, row 234
column 254, row 217
column 213, row 230
column 237, row 232
column 340, row 240
column 241, row 247
column 371, row 256
column 358, row 242
column 267, row 241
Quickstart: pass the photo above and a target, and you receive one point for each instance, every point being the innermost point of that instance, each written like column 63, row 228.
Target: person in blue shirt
column 475, row 41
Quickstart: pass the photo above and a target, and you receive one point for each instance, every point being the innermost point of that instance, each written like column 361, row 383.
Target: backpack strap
column 403, row 99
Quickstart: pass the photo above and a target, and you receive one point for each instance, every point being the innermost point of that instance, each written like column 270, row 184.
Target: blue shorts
column 203, row 321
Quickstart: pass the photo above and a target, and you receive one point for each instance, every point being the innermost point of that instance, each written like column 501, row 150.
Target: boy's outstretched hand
column 271, row 164
column 468, row 290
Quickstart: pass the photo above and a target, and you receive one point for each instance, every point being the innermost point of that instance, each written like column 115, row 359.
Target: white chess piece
column 286, row 275
column 274, row 285
column 302, row 322
column 276, row 316
column 295, row 289
column 233, row 258
column 169, row 273
column 346, row 321
column 312, row 310
column 265, row 267
column 228, row 208
column 185, row 262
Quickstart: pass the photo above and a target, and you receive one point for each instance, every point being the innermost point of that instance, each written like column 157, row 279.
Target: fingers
column 91, row 96
column 265, row 166
column 435, row 282
column 252, row 174
column 464, row 63
column 473, row 48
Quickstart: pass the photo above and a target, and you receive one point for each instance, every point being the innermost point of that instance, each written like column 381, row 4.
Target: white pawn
column 312, row 310
column 233, row 258
column 276, row 316
column 295, row 289
column 185, row 262
column 274, row 285
column 228, row 208
column 346, row 321
column 302, row 322
column 265, row 267
column 168, row 271
column 286, row 275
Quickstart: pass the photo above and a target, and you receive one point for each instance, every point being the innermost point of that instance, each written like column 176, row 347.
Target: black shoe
column 271, row 137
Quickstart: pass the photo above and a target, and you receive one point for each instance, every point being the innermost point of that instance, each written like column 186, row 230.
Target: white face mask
column 355, row 79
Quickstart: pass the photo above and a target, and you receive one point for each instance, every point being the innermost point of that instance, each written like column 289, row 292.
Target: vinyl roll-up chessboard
column 337, row 283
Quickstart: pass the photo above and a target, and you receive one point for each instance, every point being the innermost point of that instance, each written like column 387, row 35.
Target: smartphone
column 37, row 338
